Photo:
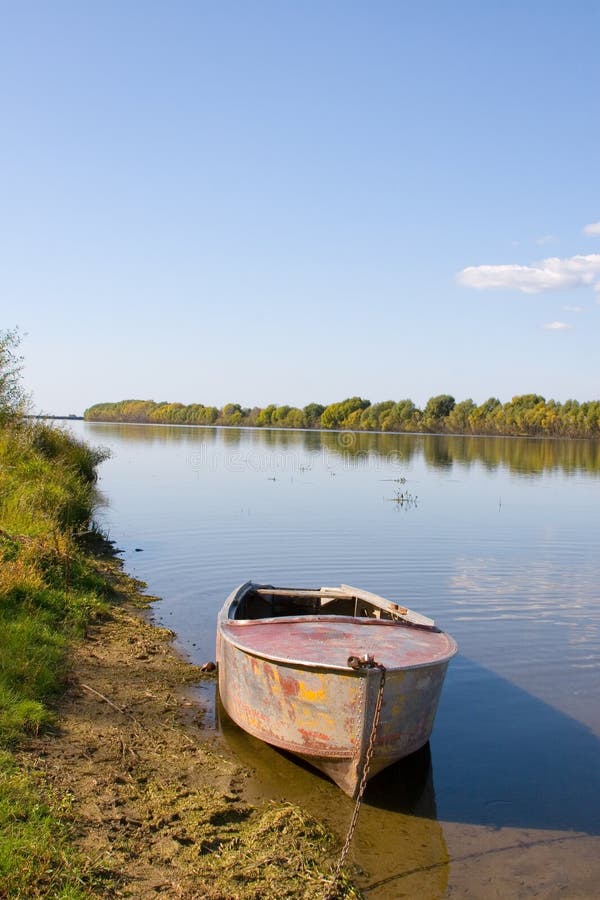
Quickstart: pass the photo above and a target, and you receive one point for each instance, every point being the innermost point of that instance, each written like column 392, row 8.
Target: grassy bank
column 105, row 787
column 49, row 593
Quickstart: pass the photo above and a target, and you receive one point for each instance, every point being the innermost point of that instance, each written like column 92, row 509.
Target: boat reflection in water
column 398, row 847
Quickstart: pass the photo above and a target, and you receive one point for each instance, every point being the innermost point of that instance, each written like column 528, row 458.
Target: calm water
column 498, row 541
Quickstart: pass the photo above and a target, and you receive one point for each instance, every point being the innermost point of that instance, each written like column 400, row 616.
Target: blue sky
column 285, row 202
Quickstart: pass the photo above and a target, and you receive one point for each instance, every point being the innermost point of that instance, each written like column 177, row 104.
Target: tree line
column 525, row 415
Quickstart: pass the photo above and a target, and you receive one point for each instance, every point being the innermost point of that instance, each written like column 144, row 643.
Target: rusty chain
column 356, row 663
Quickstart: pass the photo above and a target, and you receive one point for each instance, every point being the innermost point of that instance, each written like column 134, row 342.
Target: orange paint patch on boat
column 315, row 738
column 309, row 694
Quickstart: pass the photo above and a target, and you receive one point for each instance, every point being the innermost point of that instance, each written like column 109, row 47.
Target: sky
column 286, row 202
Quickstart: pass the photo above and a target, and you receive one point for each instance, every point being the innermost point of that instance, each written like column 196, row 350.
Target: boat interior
column 269, row 602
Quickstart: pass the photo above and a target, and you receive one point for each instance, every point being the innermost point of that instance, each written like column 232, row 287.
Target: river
column 495, row 538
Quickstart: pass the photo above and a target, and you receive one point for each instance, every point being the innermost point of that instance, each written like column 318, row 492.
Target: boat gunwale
column 235, row 597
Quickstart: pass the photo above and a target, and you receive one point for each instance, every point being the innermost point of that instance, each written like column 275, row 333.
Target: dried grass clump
column 279, row 853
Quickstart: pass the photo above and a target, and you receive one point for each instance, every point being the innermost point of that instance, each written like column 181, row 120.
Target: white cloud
column 552, row 274
column 557, row 326
column 592, row 228
column 546, row 239
column 577, row 309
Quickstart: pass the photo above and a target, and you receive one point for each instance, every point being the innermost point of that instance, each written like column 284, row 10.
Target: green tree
column 13, row 399
column 335, row 414
column 403, row 416
column 232, row 414
column 527, row 401
column 136, row 410
column 163, row 413
column 280, row 415
column 458, row 419
column 521, row 415
column 436, row 411
column 295, row 418
column 483, row 419
column 265, row 416
column 312, row 414
column 371, row 418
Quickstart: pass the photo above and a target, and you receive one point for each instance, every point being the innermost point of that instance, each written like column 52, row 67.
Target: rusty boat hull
column 284, row 675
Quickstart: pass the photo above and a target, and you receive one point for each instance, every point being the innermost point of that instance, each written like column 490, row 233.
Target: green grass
column 36, row 856
column 46, row 481
column 48, row 595
column 48, row 592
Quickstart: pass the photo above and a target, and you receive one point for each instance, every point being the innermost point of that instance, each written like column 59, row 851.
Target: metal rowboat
column 300, row 669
